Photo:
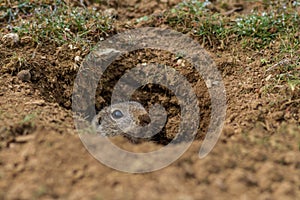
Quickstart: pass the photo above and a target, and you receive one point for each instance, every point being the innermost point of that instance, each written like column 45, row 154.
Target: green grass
column 62, row 23
column 284, row 71
column 55, row 21
column 279, row 24
column 265, row 27
column 256, row 30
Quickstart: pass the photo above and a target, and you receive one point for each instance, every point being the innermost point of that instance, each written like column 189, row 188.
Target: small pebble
column 24, row 75
column 77, row 58
column 11, row 38
column 111, row 12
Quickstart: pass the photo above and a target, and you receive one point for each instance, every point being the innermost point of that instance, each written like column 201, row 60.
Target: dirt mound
column 42, row 157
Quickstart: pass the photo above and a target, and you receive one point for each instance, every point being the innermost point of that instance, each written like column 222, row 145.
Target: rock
column 24, row 75
column 11, row 39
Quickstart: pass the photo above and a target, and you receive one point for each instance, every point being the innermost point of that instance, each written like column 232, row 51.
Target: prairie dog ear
column 143, row 120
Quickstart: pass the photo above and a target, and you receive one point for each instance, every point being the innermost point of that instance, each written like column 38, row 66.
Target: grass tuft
column 56, row 21
column 256, row 30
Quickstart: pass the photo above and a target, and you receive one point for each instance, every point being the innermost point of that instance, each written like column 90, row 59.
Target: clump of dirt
column 23, row 109
column 51, row 69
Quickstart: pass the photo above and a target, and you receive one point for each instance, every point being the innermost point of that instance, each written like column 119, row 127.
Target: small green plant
column 141, row 19
column 194, row 16
column 41, row 190
column 289, row 74
column 29, row 119
column 293, row 84
column 190, row 7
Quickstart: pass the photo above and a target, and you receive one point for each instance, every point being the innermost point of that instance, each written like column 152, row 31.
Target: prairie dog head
column 120, row 118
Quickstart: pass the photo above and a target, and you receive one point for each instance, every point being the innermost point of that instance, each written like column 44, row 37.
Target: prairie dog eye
column 117, row 114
